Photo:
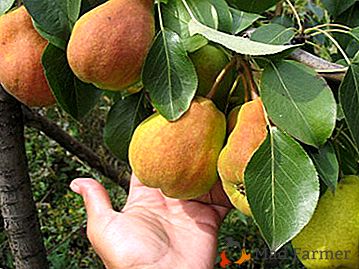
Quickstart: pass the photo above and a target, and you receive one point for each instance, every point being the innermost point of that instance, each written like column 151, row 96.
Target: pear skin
column 179, row 157
column 232, row 119
column 209, row 61
column 333, row 230
column 21, row 49
column 248, row 134
column 108, row 45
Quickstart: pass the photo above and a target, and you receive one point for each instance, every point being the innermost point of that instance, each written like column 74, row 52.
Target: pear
column 21, row 49
column 249, row 133
column 179, row 157
column 209, row 61
column 232, row 119
column 331, row 239
column 108, row 45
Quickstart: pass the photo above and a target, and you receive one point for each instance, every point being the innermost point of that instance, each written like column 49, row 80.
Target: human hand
column 152, row 231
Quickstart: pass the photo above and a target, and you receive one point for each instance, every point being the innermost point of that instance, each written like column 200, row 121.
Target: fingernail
column 74, row 187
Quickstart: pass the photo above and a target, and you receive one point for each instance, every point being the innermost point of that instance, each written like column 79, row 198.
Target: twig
column 300, row 25
column 337, row 45
column 53, row 131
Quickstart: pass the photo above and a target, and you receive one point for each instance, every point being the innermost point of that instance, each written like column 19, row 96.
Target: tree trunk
column 16, row 202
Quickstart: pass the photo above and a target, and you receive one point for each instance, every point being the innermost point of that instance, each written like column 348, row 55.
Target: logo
column 286, row 253
column 245, row 257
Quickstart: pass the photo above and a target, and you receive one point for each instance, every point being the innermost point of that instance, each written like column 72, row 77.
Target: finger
column 216, row 196
column 96, row 198
column 139, row 192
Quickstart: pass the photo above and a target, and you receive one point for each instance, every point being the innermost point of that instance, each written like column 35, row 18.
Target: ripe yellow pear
column 249, row 133
column 179, row 157
column 331, row 239
column 108, row 45
column 21, row 49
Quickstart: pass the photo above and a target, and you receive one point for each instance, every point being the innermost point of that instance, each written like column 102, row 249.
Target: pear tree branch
column 120, row 176
column 326, row 69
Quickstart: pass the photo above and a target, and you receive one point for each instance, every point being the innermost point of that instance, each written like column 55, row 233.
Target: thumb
column 96, row 198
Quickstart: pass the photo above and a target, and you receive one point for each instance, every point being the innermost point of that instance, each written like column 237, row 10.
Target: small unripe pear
column 108, row 45
column 179, row 157
column 21, row 49
column 209, row 61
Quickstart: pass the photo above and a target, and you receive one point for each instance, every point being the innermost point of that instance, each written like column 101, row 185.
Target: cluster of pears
column 107, row 48
column 21, row 71
column 183, row 158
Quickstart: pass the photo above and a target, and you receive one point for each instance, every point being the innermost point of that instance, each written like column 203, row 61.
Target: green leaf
column 299, row 101
column 242, row 20
column 213, row 13
column 236, row 43
column 348, row 153
column 51, row 16
column 176, row 18
column 73, row 10
column 349, row 100
column 273, row 33
column 75, row 97
column 169, row 76
column 125, row 115
column 317, row 10
column 356, row 58
column 193, row 43
column 254, row 6
column 58, row 42
column 282, row 188
column 337, row 7
column 327, row 165
column 350, row 17
column 355, row 33
column 5, row 5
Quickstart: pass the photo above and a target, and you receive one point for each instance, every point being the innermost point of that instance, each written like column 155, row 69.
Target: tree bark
column 16, row 202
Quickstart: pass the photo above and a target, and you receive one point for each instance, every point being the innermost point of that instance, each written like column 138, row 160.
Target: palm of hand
column 153, row 231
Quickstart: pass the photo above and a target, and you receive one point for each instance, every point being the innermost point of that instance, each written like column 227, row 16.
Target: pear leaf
column 282, row 188
column 236, row 43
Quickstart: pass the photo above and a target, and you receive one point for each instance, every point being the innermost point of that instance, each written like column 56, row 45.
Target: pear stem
column 233, row 88
column 249, row 77
column 245, row 88
column 220, row 78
